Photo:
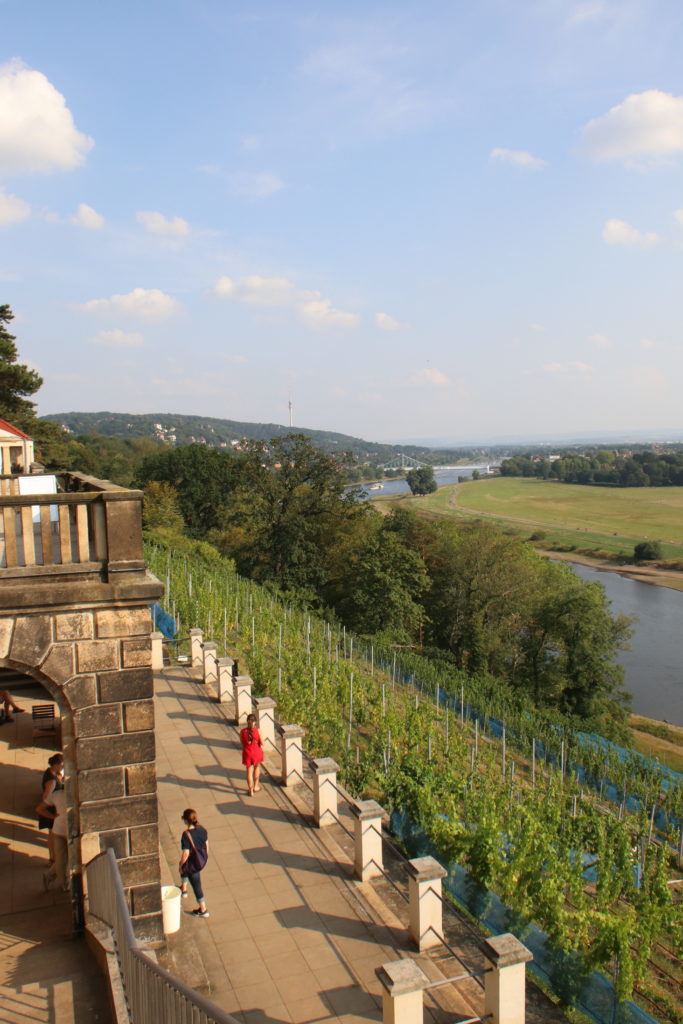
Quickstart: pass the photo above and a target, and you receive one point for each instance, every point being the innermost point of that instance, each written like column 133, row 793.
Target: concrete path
column 292, row 936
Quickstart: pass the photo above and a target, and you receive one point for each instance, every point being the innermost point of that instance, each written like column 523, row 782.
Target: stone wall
column 94, row 659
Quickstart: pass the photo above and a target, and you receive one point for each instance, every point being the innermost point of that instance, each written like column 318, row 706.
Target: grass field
column 608, row 519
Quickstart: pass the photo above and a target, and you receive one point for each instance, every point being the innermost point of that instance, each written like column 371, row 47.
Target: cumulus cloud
column 386, row 322
column 258, row 185
column 86, row 217
column 647, row 125
column 147, row 303
column 433, row 376
column 156, row 224
column 620, row 232
column 12, row 208
column 37, row 130
column 116, row 338
column 575, row 365
column 518, row 157
column 600, row 341
column 316, row 310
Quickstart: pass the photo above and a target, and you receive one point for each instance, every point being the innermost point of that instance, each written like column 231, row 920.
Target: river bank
column 654, row 575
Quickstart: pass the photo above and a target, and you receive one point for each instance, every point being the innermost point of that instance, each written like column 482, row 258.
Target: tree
column 16, row 379
column 160, row 509
column 647, row 551
column 421, row 481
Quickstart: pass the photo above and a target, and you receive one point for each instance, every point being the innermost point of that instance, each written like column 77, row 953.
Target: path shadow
column 352, row 1000
column 183, row 696
column 328, row 924
column 192, row 716
column 194, row 783
column 225, row 744
column 296, row 861
column 248, row 809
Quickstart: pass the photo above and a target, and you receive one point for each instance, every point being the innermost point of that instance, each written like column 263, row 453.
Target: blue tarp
column 162, row 622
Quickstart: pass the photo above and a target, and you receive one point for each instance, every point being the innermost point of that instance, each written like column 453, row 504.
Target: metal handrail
column 152, row 993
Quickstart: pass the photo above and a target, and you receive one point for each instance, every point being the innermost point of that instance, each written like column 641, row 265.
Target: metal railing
column 152, row 994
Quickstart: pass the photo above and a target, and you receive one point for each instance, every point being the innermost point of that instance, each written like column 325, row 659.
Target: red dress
column 252, row 753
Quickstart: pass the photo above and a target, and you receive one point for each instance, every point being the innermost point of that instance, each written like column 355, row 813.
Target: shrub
column 647, row 551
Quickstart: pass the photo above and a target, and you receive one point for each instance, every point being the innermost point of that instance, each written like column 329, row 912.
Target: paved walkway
column 45, row 974
column 292, row 936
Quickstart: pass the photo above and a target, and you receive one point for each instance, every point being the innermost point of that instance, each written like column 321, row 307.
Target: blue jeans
column 195, row 880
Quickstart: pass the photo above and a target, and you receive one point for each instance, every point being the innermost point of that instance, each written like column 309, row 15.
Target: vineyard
column 573, row 835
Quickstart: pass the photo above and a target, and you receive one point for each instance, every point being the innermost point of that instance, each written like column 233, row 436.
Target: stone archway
column 94, row 659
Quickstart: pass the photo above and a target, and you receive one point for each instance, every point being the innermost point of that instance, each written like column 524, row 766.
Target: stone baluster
column 210, row 669
column 226, row 691
column 157, row 651
column 324, row 791
column 368, row 862
column 505, row 984
column 426, row 906
column 265, row 721
column 242, row 690
column 403, row 983
column 196, row 643
column 292, row 754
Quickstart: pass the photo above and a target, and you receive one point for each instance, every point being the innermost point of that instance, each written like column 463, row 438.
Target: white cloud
column 600, row 341
column 320, row 312
column 12, row 209
column 620, row 232
column 86, row 217
column 575, row 365
column 258, row 185
column 433, row 376
column 37, row 130
column 646, row 125
column 386, row 322
column 148, row 303
column 678, row 214
column 156, row 224
column 537, row 327
column 518, row 157
column 235, row 358
column 646, row 378
column 116, row 338
column 250, row 143
column 260, row 291
column 316, row 310
column 647, row 343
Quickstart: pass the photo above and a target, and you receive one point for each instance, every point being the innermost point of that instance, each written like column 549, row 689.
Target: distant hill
column 218, row 433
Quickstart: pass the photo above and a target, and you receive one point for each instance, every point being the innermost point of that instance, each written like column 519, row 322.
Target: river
column 653, row 669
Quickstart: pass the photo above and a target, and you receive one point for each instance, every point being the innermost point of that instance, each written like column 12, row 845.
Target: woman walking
column 194, row 853
column 52, row 782
column 252, row 754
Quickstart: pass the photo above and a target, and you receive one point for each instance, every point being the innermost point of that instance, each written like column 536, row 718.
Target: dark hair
column 190, row 817
column 250, row 725
column 55, row 759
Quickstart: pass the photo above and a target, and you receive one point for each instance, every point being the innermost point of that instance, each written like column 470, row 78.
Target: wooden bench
column 45, row 722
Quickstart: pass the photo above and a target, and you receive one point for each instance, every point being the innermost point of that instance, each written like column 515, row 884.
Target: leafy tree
column 203, row 478
column 161, row 508
column 647, row 551
column 421, row 481
column 17, row 381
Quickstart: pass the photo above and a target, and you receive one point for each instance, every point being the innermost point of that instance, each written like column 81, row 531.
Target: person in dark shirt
column 194, row 853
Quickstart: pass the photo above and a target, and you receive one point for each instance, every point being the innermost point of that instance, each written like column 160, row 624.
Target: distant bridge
column 405, row 462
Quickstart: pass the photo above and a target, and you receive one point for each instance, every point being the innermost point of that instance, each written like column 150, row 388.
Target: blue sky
column 439, row 220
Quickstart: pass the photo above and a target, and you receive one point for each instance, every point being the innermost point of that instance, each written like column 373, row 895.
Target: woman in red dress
column 252, row 754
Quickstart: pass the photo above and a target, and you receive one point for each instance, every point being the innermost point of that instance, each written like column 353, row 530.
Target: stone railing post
column 324, row 791
column 505, row 985
column 242, row 688
column 265, row 722
column 292, row 754
column 196, row 654
column 368, row 862
column 210, row 670
column 402, row 985
column 157, row 651
column 226, row 691
column 426, row 907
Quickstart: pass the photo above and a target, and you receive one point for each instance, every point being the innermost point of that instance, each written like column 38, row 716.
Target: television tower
column 290, row 413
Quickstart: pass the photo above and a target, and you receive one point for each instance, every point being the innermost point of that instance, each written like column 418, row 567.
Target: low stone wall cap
column 400, row 977
column 324, row 765
column 366, row 809
column 506, row 950
column 424, row 869
column 264, row 703
column 291, row 730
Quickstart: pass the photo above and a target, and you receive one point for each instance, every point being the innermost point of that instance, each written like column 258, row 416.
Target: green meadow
column 581, row 518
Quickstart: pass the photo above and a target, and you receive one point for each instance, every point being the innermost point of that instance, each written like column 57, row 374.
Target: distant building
column 16, row 448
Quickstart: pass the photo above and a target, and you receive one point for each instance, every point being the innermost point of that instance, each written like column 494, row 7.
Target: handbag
column 197, row 859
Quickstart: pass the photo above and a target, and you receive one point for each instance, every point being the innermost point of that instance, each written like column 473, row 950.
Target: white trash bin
column 170, row 908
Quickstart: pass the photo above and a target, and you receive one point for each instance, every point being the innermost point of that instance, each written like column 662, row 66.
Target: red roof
column 4, row 425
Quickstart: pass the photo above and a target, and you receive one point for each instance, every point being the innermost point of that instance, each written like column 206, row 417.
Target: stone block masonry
column 89, row 646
